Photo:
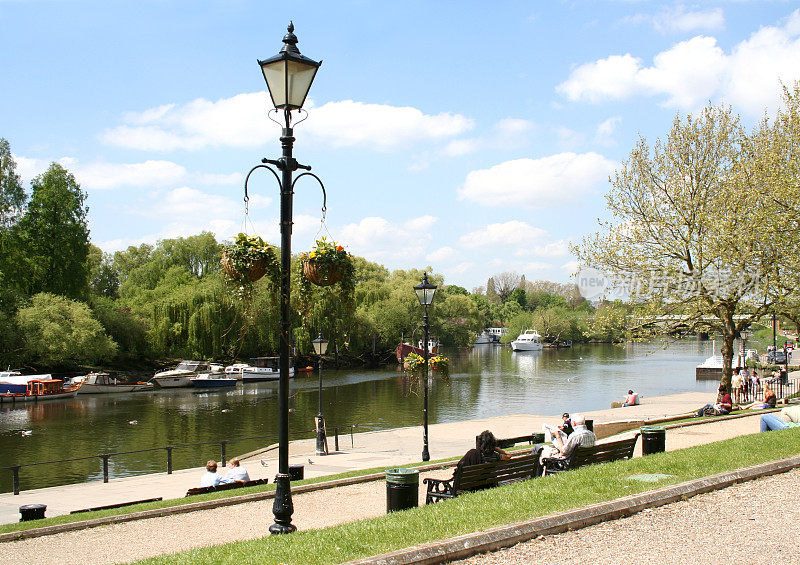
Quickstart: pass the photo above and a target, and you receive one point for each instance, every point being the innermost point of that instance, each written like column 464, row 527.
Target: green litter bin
column 402, row 489
column 653, row 439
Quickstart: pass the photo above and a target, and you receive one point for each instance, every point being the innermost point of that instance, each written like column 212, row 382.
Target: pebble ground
column 749, row 523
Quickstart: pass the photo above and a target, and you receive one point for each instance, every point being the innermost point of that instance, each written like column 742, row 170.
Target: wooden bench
column 226, row 486
column 512, row 441
column 485, row 475
column 599, row 453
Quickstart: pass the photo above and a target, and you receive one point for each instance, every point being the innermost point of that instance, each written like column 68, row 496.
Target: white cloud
column 679, row 19
column 379, row 240
column 241, row 121
column 570, row 267
column 507, row 233
column 442, row 254
column 147, row 174
column 605, row 131
column 102, row 175
column 348, row 123
column 537, row 183
column 696, row 70
column 611, row 78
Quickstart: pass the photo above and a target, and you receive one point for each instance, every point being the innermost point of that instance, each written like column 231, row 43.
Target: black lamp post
column 320, row 348
column 425, row 292
column 289, row 76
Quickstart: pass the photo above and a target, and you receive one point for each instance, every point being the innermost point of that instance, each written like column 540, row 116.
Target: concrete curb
column 466, row 545
column 204, row 505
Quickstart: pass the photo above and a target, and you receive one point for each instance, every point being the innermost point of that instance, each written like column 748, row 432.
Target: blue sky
column 475, row 137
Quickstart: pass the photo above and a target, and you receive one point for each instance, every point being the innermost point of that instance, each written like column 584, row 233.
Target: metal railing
column 223, row 443
column 752, row 392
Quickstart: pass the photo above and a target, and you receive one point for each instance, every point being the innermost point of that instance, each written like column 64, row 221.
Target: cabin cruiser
column 528, row 341
column 181, row 376
column 103, row 383
column 483, row 338
column 263, row 369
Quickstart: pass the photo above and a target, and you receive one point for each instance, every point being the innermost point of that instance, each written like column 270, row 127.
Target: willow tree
column 691, row 241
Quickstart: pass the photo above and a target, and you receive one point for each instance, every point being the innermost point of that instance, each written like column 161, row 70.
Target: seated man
column 561, row 431
column 580, row 436
column 723, row 406
column 235, row 474
column 210, row 478
column 788, row 418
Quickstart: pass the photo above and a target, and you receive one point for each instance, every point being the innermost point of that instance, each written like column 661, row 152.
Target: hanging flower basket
column 326, row 264
column 248, row 259
column 322, row 274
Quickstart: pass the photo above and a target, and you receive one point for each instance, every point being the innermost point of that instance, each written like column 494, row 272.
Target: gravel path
column 753, row 522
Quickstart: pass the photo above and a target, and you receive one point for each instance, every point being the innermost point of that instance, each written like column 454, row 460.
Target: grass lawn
column 503, row 505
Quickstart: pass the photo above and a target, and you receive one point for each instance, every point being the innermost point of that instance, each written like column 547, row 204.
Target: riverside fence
column 168, row 449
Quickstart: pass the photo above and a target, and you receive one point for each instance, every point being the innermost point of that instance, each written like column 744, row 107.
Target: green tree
column 103, row 276
column 12, row 195
column 693, row 236
column 55, row 236
column 58, row 331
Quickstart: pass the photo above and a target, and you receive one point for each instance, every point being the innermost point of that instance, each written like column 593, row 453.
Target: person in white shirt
column 210, row 478
column 235, row 474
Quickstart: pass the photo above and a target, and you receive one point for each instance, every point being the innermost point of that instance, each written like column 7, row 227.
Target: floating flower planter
column 248, row 259
column 326, row 264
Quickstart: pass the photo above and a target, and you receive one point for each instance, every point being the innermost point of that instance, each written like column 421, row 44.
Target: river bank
column 484, row 382
column 384, row 449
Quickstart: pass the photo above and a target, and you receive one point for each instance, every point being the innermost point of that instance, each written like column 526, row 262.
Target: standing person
column 736, row 385
column 210, row 478
column 235, row 474
column 754, row 382
column 562, row 431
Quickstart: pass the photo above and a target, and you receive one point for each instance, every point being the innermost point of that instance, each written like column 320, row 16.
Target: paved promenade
column 383, row 449
column 135, row 540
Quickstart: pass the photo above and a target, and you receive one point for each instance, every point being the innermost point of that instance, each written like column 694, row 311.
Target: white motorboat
column 483, row 338
column 102, row 383
column 181, row 376
column 528, row 341
column 263, row 369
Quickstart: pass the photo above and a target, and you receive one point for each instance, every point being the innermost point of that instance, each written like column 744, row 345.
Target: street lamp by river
column 289, row 76
column 425, row 292
column 320, row 348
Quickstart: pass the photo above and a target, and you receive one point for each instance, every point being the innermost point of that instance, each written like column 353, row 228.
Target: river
column 484, row 381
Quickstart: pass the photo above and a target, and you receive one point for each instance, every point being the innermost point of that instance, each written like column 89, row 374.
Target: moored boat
column 528, row 341
column 405, row 348
column 38, row 388
column 264, row 369
column 208, row 380
column 181, row 376
column 483, row 338
column 102, row 383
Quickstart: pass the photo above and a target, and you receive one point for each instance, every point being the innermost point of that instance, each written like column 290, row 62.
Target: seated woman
column 485, row 451
column 769, row 401
column 631, row 399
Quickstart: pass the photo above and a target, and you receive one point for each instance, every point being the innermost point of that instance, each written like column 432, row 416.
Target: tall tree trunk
column 729, row 334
